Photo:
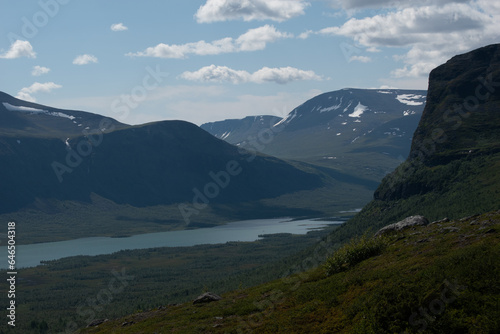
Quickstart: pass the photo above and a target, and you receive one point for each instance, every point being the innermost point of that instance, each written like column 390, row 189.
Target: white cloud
column 26, row 92
column 432, row 34
column 118, row 27
column 39, row 70
column 256, row 39
column 214, row 73
column 248, row 10
column 84, row 59
column 410, row 25
column 360, row 4
column 362, row 59
column 282, row 75
column 252, row 40
column 19, row 49
column 489, row 6
column 305, row 34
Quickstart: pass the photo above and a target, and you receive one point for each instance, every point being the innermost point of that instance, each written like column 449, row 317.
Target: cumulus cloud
column 19, row 49
column 282, row 75
column 26, row 92
column 248, row 10
column 431, row 33
column 252, row 40
column 118, row 27
column 39, row 70
column 84, row 59
column 361, row 4
column 214, row 73
column 257, row 39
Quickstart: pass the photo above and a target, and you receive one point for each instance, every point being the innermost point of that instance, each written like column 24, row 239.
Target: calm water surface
column 248, row 230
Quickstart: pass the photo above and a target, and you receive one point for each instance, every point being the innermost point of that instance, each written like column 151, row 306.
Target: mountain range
column 173, row 174
column 362, row 132
column 160, row 163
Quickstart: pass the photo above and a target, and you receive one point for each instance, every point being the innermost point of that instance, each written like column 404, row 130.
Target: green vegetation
column 352, row 253
column 441, row 278
column 72, row 292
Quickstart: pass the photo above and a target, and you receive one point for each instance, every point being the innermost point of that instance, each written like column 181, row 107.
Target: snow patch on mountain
column 334, row 107
column 409, row 99
column 408, row 112
column 348, row 106
column 288, row 119
column 30, row 110
column 359, row 110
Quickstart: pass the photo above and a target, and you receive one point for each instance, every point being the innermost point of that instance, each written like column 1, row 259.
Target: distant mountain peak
column 336, row 124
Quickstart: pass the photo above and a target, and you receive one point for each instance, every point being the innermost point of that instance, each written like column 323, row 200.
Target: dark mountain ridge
column 152, row 164
column 28, row 119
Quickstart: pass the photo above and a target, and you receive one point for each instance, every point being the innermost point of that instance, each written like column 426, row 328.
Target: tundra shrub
column 355, row 251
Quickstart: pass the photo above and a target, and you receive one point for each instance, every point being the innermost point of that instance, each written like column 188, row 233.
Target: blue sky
column 200, row 61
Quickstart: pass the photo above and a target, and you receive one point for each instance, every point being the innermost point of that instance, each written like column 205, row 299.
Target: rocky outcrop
column 207, row 297
column 405, row 223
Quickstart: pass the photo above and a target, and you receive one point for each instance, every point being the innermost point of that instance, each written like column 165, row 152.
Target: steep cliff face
column 460, row 126
column 462, row 114
column 452, row 169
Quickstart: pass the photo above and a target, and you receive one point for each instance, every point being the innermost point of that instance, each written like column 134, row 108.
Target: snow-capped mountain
column 332, row 129
column 341, row 109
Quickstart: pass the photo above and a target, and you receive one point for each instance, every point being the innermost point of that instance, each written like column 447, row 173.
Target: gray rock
column 97, row 322
column 444, row 220
column 405, row 223
column 207, row 297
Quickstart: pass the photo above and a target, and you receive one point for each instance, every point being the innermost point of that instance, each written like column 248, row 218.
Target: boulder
column 207, row 297
column 405, row 223
column 97, row 322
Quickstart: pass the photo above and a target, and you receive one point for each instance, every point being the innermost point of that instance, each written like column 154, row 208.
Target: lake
column 248, row 230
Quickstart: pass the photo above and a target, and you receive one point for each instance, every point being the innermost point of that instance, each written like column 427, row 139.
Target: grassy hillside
column 441, row 278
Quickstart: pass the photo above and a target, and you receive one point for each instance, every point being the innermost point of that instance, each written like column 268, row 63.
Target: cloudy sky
column 207, row 60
